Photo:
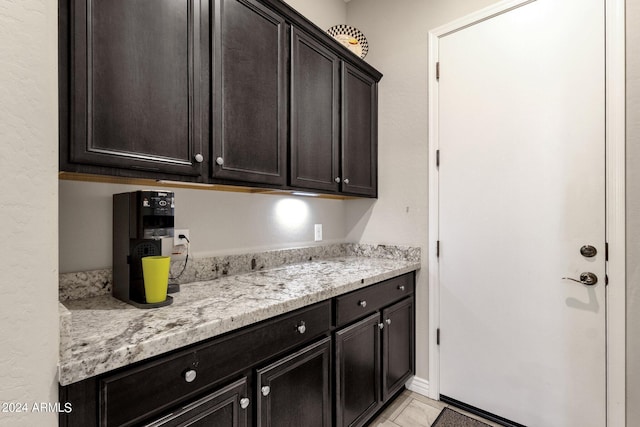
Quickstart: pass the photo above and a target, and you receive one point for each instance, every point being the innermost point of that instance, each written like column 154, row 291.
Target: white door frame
column 615, row 199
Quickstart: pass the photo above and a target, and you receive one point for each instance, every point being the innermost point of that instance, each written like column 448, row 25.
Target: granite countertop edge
column 158, row 333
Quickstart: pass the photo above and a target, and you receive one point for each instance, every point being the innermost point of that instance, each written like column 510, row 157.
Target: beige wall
column 633, row 213
column 397, row 33
column 218, row 222
column 28, row 161
column 325, row 13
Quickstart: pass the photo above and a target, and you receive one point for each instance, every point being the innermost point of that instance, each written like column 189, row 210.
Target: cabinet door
column 296, row 390
column 138, row 71
column 226, row 407
column 398, row 347
column 359, row 132
column 357, row 372
column 315, row 133
column 249, row 93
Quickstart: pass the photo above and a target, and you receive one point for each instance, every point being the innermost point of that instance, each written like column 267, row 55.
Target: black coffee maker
column 142, row 226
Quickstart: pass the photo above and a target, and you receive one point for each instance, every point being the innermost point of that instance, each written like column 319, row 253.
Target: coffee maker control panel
column 157, row 203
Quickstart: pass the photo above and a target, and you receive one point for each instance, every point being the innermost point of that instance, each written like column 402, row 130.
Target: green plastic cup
column 155, row 270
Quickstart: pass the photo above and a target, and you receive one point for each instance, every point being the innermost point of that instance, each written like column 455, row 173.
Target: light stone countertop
column 106, row 334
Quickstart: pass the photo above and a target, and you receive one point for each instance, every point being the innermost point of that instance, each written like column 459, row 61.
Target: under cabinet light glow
column 291, row 213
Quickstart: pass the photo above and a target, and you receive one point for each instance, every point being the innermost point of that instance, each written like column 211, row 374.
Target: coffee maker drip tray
column 164, row 303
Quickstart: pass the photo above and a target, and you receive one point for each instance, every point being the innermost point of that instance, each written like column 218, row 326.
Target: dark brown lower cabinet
column 334, row 363
column 398, row 347
column 296, row 390
column 226, row 407
column 375, row 357
column 358, row 372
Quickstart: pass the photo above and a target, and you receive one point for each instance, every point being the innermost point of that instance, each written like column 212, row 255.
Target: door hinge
column 606, row 251
column 438, row 336
column 438, row 249
column 437, row 158
column 437, row 70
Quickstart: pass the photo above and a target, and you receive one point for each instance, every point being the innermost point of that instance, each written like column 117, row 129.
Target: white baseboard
column 418, row 385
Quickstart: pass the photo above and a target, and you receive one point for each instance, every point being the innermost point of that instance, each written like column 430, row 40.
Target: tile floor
column 414, row 410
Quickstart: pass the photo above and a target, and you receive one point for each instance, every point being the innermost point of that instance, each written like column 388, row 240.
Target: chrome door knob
column 588, row 279
column 588, row 251
column 346, row 181
column 388, row 321
column 362, row 303
column 401, row 288
column 244, row 402
column 199, row 158
column 380, row 325
column 265, row 390
column 220, row 161
column 337, row 180
column 190, row 375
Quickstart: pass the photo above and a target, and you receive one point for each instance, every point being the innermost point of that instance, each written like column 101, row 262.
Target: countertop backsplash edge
column 87, row 284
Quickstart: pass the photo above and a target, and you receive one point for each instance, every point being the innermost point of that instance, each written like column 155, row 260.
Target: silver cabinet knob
column 346, row 180
column 301, row 327
column 380, row 325
column 244, row 402
column 190, row 375
column 337, row 180
column 362, row 303
column 401, row 288
column 220, row 161
column 199, row 158
column 388, row 321
column 265, row 390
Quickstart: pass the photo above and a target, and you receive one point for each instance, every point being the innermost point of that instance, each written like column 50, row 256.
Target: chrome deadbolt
column 588, row 279
column 588, row 251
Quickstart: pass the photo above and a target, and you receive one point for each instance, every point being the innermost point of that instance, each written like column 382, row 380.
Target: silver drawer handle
column 265, row 390
column 346, row 181
column 220, row 161
column 380, row 325
column 302, row 327
column 244, row 402
column 401, row 288
column 190, row 375
column 337, row 180
column 388, row 321
column 362, row 303
column 199, row 158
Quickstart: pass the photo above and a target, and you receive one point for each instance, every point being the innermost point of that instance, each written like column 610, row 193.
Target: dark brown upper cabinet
column 236, row 92
column 134, row 84
column 249, row 93
column 359, row 132
column 315, row 114
column 333, row 121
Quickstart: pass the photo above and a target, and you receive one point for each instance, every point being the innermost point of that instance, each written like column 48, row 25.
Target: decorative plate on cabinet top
column 351, row 37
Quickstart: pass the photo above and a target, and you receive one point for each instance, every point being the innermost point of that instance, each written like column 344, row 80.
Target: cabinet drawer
column 359, row 303
column 138, row 393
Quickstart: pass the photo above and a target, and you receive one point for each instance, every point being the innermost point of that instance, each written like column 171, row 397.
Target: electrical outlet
column 318, row 232
column 177, row 241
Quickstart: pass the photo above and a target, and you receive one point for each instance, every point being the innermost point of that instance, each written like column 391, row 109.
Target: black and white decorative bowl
column 351, row 37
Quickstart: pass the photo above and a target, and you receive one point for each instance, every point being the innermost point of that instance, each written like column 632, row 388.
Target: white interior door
column 522, row 189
